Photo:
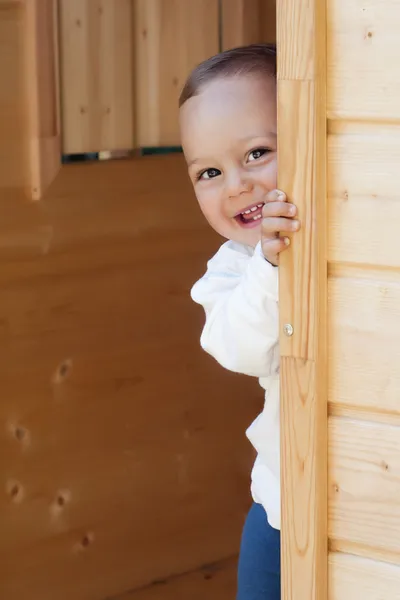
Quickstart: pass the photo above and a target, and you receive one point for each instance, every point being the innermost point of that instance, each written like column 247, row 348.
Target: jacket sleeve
column 239, row 294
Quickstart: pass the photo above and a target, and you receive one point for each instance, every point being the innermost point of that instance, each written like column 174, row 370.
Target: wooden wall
column 364, row 298
column 118, row 465
column 123, row 63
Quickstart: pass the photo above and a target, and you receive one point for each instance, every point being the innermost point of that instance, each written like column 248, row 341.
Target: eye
column 258, row 153
column 208, row 174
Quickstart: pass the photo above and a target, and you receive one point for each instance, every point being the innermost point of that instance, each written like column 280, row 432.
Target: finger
column 272, row 248
column 275, row 196
column 279, row 209
column 279, row 225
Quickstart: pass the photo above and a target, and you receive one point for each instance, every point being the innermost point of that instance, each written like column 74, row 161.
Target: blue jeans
column 259, row 572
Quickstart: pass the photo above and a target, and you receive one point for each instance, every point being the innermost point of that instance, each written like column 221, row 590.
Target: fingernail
column 280, row 195
column 286, row 241
column 292, row 210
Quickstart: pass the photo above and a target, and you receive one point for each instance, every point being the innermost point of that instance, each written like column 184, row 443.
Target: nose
column 237, row 183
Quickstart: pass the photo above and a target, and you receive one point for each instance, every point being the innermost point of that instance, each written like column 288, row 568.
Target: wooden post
column 301, row 36
column 41, row 42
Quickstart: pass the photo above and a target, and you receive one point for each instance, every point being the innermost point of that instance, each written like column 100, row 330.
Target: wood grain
column 351, row 577
column 43, row 101
column 364, row 340
column 113, row 410
column 96, row 75
column 172, row 37
column 364, row 203
column 14, row 159
column 370, row 31
column 241, row 23
column 303, row 299
column 298, row 299
column 364, row 484
column 303, row 544
column 216, row 582
column 113, row 421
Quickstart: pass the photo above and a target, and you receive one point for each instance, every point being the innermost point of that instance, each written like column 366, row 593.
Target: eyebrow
column 244, row 139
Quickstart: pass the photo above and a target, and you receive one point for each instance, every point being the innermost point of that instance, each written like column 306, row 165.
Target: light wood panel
column 364, row 340
column 103, row 414
column 363, row 65
column 241, row 23
column 364, row 203
column 43, row 94
column 248, row 22
column 216, row 582
column 352, row 578
column 110, row 413
column 303, row 284
column 96, row 75
column 172, row 36
column 364, row 484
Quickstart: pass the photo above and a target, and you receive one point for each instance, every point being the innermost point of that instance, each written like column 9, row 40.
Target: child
column 228, row 128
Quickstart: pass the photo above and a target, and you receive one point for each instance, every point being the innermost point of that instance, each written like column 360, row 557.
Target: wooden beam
column 41, row 43
column 303, row 296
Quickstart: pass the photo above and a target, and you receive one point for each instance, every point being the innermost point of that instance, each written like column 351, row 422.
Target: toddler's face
column 229, row 140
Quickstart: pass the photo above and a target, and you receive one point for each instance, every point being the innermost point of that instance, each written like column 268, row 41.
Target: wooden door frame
column 301, row 40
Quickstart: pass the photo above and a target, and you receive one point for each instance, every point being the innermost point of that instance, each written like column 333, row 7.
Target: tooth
column 247, row 212
column 260, row 205
column 253, row 209
column 257, row 217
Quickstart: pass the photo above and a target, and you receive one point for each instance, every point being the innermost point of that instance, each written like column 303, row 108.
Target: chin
column 247, row 237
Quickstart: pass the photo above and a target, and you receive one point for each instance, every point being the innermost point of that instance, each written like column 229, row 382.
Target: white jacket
column 239, row 294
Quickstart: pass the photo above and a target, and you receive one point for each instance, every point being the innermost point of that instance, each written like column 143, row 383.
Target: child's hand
column 278, row 217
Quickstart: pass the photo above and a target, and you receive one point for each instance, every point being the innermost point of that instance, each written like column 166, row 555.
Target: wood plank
column 370, row 30
column 107, row 447
column 364, row 341
column 248, row 22
column 303, row 293
column 217, row 582
column 241, row 23
column 351, row 577
column 14, row 172
column 364, row 203
column 297, row 58
column 96, row 75
column 364, row 484
column 172, row 37
column 43, row 94
column 268, row 20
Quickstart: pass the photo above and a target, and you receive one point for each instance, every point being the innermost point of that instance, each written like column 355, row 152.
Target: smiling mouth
column 249, row 216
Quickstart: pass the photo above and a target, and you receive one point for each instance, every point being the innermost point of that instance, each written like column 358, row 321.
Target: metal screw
column 288, row 329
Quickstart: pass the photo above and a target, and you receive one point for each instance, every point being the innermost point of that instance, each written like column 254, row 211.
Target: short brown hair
column 244, row 60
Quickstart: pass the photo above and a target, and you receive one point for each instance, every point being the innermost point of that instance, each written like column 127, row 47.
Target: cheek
column 210, row 203
column 269, row 175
